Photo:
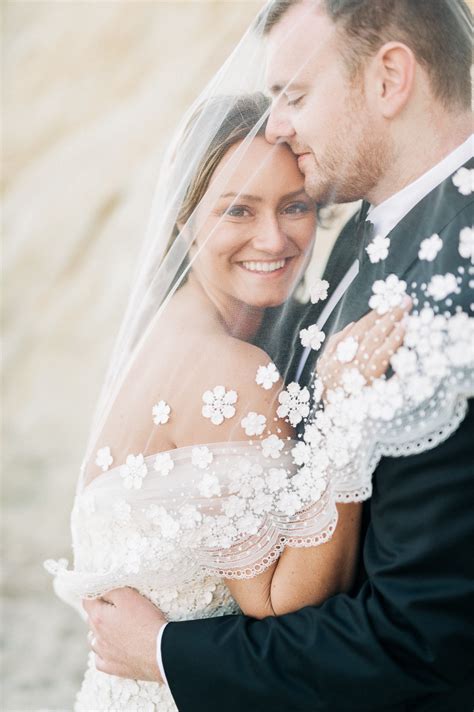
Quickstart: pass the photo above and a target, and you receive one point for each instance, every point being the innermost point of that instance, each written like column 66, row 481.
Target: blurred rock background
column 90, row 93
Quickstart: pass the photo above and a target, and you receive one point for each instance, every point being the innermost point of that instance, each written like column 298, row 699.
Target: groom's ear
column 393, row 78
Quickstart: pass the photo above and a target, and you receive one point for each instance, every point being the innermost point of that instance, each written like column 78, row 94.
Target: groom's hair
column 438, row 32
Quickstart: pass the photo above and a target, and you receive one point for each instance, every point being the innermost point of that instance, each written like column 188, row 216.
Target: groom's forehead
column 297, row 49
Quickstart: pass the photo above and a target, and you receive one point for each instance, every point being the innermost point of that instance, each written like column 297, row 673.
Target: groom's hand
column 124, row 626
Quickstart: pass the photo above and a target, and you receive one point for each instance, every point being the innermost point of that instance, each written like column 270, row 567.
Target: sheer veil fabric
column 206, row 455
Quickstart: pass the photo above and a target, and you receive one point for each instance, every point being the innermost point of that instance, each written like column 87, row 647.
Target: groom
column 380, row 111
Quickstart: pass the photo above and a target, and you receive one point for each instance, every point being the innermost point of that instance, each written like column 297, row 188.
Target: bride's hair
column 242, row 114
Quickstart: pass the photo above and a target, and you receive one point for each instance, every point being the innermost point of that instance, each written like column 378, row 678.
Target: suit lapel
column 429, row 216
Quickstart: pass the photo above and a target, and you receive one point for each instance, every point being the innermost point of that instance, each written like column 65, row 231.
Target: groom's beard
column 355, row 159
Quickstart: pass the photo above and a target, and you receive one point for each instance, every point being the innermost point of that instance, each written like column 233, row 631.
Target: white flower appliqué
column 219, row 404
column 353, row 381
column 466, row 243
column 430, row 247
column 463, row 179
column 134, row 471
column 378, row 249
column 319, row 291
column 163, row 463
column 441, row 285
column 267, row 376
column 301, row 453
column 104, row 459
column 312, row 337
column 294, row 403
column 277, row 479
column 347, row 349
column 253, row 423
column 387, row 294
column 404, row 362
column 201, row 457
column 272, row 446
column 161, row 413
column 209, row 486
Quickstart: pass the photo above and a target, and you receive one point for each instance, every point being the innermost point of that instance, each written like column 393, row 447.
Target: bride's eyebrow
column 244, row 196
column 294, row 194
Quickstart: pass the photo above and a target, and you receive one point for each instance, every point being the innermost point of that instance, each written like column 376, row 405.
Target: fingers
column 334, row 340
column 374, row 337
column 379, row 361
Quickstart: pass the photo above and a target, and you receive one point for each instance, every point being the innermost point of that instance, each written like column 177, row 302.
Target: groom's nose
column 279, row 128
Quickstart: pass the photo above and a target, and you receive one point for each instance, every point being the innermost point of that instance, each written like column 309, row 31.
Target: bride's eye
column 237, row 211
column 296, row 209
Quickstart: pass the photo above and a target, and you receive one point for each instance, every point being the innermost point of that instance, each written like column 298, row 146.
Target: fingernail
column 406, row 302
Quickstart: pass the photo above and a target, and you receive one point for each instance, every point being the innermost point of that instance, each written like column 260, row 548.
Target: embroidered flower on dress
column 318, row 389
column 248, row 524
column 466, row 243
column 161, row 413
column 209, row 486
column 104, row 459
column 378, row 249
column 277, row 479
column 289, row 503
column 234, row 506
column 353, row 381
column 261, row 503
column 404, row 362
column 347, row 349
column 163, row 463
column 312, row 337
column 272, row 446
column 219, row 404
column 319, row 291
column 267, row 376
column 134, row 471
column 301, row 453
column 253, row 423
column 387, row 294
column 463, row 179
column 201, row 457
column 312, row 435
column 294, row 403
column 189, row 516
column 441, row 285
column 430, row 247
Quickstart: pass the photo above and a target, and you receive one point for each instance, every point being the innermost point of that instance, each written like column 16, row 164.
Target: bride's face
column 255, row 229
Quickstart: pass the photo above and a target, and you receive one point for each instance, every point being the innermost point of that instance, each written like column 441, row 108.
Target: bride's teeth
column 264, row 266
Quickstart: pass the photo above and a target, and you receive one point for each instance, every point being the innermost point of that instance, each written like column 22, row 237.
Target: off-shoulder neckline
column 178, row 453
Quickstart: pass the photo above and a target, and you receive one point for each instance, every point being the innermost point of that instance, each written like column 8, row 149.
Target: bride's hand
column 366, row 345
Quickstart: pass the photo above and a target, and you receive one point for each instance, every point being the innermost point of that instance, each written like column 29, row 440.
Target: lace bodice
column 176, row 535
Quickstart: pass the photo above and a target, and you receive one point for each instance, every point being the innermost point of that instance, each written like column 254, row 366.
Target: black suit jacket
column 403, row 640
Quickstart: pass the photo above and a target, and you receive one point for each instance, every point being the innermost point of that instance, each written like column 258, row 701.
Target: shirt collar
column 389, row 213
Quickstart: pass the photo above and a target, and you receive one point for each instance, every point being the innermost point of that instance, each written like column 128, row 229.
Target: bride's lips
column 266, row 274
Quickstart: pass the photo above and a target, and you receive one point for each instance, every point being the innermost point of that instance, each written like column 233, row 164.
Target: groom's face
column 319, row 110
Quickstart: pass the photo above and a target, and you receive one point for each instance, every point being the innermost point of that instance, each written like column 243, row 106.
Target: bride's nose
column 270, row 236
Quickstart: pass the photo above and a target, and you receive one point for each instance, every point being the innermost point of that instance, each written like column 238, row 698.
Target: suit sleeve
column 407, row 635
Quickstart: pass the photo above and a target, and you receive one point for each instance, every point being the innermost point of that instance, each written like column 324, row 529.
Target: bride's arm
column 304, row 576
column 309, row 576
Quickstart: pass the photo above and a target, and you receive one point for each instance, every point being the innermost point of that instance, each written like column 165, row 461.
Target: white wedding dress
column 174, row 529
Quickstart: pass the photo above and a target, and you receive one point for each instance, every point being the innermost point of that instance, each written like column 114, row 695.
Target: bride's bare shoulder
column 228, row 380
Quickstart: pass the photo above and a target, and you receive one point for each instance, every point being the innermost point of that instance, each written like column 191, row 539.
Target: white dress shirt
column 384, row 217
column 389, row 213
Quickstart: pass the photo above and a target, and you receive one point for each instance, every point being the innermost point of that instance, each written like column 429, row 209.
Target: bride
column 199, row 488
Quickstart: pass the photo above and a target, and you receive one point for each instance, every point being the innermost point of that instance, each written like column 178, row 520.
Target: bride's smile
column 253, row 240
